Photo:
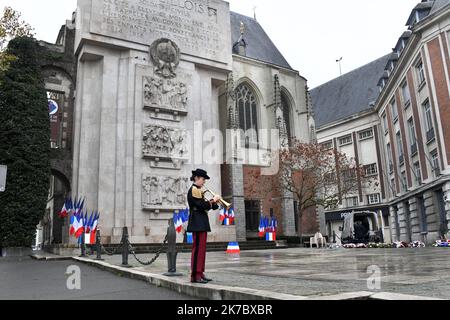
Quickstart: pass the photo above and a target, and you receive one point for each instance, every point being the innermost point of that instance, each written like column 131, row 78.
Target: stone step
column 214, row 246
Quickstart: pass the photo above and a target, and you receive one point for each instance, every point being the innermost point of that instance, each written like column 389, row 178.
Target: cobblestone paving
column 307, row 272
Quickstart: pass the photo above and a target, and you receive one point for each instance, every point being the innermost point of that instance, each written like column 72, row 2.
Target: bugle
column 225, row 204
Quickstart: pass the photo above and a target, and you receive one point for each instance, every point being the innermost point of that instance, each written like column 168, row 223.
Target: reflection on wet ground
column 305, row 272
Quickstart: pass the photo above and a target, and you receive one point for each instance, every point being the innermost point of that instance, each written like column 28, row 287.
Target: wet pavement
column 311, row 272
column 27, row 279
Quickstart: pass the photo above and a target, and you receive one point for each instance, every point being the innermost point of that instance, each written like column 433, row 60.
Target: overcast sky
column 310, row 34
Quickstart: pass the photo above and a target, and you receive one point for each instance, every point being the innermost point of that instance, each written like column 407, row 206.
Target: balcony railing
column 401, row 159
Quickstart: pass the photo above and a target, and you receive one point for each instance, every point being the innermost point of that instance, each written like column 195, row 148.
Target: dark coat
column 198, row 211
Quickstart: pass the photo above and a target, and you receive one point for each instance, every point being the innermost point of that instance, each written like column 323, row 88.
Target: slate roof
column 349, row 94
column 259, row 45
column 426, row 8
column 438, row 4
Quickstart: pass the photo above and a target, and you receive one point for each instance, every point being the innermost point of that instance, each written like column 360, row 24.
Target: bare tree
column 318, row 176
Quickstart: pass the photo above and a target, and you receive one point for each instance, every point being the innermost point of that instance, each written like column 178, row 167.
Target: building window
column 385, row 123
column 406, row 94
column 373, row 198
column 393, row 186
column 423, row 214
column 397, row 222
column 418, row 173
column 404, row 181
column 345, row 140
column 412, row 136
column 403, row 44
column 247, row 105
column 331, row 205
column 429, row 127
column 392, row 66
column 252, row 214
column 420, row 73
column 349, row 175
column 435, row 162
column 327, row 145
column 371, row 169
column 389, row 158
column 386, row 220
column 329, row 179
column 366, row 134
column 352, row 202
column 401, row 158
column 286, row 107
column 394, row 110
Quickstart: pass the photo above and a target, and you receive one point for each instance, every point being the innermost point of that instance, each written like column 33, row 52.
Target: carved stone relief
column 166, row 94
column 167, row 99
column 166, row 147
column 164, row 192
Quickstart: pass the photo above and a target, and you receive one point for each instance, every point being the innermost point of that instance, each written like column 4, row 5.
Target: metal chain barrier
column 125, row 248
column 113, row 252
column 157, row 254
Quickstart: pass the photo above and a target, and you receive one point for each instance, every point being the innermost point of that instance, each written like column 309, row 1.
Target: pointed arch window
column 248, row 117
column 286, row 108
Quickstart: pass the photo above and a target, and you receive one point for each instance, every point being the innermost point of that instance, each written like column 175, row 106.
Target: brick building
column 413, row 107
column 398, row 106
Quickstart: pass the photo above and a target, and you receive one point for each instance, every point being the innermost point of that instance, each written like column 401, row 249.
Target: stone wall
column 143, row 103
column 59, row 70
column 429, row 233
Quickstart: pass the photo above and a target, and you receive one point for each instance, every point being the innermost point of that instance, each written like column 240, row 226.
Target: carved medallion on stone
column 164, row 193
column 165, row 56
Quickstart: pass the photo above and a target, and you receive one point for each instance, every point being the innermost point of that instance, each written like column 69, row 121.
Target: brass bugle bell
column 225, row 204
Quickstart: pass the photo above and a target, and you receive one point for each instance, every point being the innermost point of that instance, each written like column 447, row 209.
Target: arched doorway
column 52, row 226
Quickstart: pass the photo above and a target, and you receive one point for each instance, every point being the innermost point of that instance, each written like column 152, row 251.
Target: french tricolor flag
column 178, row 221
column 63, row 212
column 231, row 216
column 223, row 215
column 233, row 248
column 271, row 236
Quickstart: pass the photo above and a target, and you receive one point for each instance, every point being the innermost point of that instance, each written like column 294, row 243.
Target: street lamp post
column 340, row 66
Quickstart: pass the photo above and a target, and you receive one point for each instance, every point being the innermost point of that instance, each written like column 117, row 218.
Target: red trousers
column 198, row 257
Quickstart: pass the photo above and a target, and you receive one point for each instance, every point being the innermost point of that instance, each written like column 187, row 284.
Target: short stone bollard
column 125, row 248
column 83, row 247
column 172, row 251
column 98, row 245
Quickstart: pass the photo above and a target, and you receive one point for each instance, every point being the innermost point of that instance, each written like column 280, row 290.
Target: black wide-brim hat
column 200, row 173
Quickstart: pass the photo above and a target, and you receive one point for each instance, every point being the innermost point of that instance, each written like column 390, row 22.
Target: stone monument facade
column 147, row 71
